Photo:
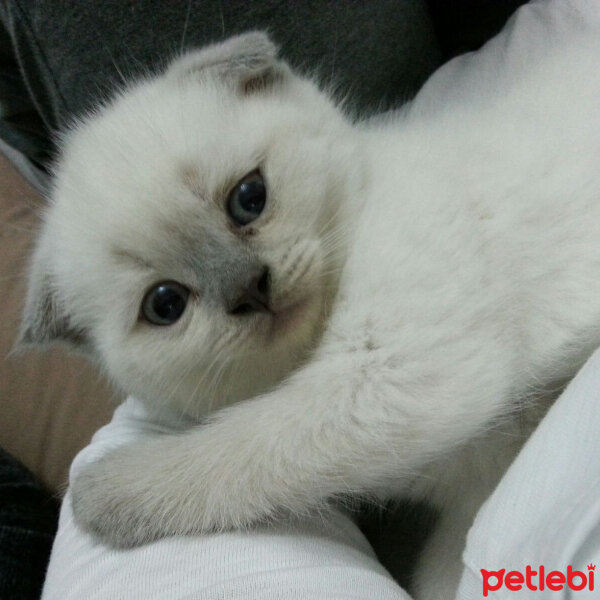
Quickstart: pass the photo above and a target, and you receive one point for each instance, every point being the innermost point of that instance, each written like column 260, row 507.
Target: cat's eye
column 164, row 303
column 247, row 200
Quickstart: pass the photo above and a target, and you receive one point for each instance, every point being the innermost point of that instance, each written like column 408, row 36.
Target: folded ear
column 248, row 62
column 44, row 319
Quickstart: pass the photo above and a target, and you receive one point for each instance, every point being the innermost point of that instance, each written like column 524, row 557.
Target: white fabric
column 545, row 511
column 310, row 560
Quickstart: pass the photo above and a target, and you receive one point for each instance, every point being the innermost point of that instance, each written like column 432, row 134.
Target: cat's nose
column 254, row 297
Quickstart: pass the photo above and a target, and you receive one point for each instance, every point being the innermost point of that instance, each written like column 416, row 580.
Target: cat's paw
column 156, row 489
column 108, row 503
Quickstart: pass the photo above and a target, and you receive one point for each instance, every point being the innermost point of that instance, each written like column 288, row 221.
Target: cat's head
column 194, row 236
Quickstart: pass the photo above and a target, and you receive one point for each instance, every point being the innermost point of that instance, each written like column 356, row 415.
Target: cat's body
column 433, row 302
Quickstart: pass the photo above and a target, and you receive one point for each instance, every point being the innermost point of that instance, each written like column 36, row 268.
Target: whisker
column 185, row 26
column 202, row 380
column 222, row 18
column 219, row 347
column 117, row 68
column 215, row 383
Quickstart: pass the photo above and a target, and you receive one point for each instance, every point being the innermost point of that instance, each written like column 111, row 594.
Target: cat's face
column 193, row 241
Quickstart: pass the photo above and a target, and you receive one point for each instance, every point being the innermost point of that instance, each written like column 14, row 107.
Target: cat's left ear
column 45, row 320
column 247, row 62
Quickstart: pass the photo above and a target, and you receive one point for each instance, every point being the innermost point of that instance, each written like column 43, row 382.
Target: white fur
column 450, row 275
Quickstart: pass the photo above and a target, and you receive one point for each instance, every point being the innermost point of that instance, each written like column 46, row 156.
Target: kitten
column 373, row 309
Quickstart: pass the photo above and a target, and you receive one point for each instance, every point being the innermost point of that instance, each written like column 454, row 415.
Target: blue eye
column 247, row 200
column 165, row 303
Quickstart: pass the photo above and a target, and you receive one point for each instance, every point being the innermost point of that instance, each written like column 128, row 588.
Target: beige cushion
column 50, row 402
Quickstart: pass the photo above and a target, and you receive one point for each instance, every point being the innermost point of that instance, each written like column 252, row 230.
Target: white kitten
column 386, row 305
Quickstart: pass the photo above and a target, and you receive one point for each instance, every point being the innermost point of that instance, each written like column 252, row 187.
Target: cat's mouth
column 274, row 318
column 283, row 319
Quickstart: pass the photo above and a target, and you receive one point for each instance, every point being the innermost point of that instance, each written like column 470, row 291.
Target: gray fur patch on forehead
column 248, row 61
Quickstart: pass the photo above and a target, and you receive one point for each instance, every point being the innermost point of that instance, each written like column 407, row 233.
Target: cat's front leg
column 292, row 449
column 336, row 427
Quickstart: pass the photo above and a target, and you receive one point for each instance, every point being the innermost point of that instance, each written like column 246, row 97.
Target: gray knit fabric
column 72, row 53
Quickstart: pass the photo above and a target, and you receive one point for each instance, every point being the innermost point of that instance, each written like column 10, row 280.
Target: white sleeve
column 546, row 510
column 308, row 560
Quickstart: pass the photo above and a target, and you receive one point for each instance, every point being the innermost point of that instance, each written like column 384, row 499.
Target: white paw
column 107, row 502
column 144, row 492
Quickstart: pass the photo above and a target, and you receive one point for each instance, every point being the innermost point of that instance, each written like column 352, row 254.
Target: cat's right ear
column 44, row 319
column 247, row 62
